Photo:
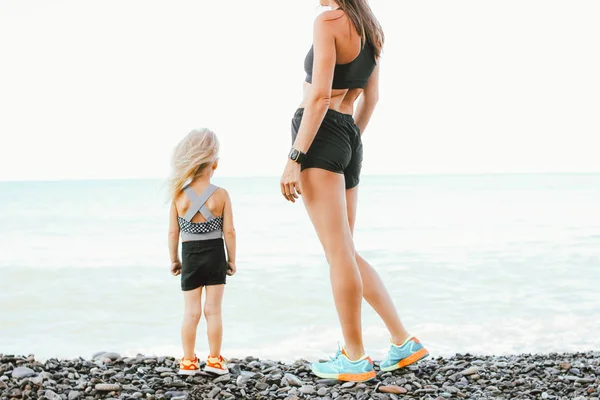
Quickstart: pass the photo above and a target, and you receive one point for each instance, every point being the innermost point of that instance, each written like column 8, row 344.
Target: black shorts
column 203, row 263
column 337, row 146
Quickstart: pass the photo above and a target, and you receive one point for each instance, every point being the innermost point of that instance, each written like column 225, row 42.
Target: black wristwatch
column 297, row 155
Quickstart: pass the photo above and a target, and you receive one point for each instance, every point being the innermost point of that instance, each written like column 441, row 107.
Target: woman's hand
column 176, row 267
column 231, row 268
column 290, row 181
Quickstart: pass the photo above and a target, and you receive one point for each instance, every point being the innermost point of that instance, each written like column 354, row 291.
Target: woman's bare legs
column 191, row 317
column 214, row 320
column 323, row 193
column 374, row 290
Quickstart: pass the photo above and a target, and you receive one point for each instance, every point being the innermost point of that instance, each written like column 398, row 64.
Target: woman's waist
column 331, row 114
column 341, row 100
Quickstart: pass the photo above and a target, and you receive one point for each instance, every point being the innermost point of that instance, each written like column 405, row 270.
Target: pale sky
column 92, row 89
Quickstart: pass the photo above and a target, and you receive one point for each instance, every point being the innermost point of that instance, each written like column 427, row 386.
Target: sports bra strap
column 199, row 202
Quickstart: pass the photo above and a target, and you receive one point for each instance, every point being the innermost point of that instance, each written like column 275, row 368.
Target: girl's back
column 215, row 203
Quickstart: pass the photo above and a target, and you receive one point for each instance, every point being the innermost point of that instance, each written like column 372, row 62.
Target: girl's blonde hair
column 197, row 151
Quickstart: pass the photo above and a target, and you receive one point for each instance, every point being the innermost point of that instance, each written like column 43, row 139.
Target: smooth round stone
column 292, row 380
column 328, row 382
column 50, row 395
column 307, row 389
column 242, row 379
column 322, row 392
column 23, row 372
column 37, row 380
column 107, row 387
column 222, row 378
column 392, row 389
column 470, row 371
column 74, row 395
column 215, row 391
column 348, row 385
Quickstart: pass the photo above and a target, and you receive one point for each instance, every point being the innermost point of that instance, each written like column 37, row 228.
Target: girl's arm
column 174, row 241
column 368, row 101
column 229, row 234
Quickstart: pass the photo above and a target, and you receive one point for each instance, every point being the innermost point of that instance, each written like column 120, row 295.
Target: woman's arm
column 174, row 240
column 229, row 233
column 316, row 103
column 368, row 101
column 319, row 96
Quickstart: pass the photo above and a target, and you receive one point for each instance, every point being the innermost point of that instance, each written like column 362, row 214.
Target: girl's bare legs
column 374, row 290
column 214, row 320
column 191, row 318
column 323, row 194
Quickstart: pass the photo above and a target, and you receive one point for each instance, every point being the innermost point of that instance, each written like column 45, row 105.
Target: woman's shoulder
column 330, row 19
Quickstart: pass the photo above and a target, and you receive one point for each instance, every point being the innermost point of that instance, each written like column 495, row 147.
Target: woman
column 324, row 167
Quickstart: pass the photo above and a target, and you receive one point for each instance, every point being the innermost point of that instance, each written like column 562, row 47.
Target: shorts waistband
column 201, row 244
column 330, row 113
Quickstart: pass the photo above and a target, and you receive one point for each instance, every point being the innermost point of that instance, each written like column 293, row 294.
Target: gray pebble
column 292, row 380
column 74, row 395
column 328, row 382
column 307, row 389
column 23, row 372
column 322, row 392
column 215, row 391
column 222, row 378
column 107, row 387
column 470, row 371
column 348, row 385
column 50, row 395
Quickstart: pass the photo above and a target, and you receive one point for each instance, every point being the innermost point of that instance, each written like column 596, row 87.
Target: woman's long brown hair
column 365, row 22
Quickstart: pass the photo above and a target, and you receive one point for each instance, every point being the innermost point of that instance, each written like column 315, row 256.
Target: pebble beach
column 110, row 376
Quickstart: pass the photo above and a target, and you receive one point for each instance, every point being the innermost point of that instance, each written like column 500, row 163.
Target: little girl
column 201, row 213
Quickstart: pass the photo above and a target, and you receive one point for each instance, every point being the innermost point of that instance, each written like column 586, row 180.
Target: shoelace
column 337, row 354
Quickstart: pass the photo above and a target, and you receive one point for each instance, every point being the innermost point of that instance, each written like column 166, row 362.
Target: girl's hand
column 290, row 181
column 231, row 268
column 176, row 267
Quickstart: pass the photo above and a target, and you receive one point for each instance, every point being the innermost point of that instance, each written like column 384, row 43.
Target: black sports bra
column 352, row 75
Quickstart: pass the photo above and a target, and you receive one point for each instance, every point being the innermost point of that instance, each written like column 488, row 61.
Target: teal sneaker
column 341, row 368
column 408, row 353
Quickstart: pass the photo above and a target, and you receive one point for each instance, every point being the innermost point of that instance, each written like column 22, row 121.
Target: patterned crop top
column 212, row 228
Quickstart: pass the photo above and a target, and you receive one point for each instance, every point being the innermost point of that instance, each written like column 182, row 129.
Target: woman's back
column 354, row 62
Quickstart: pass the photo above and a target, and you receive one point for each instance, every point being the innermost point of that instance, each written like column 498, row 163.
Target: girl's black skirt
column 203, row 263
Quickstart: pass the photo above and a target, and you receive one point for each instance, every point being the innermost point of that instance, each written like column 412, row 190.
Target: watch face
column 294, row 154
